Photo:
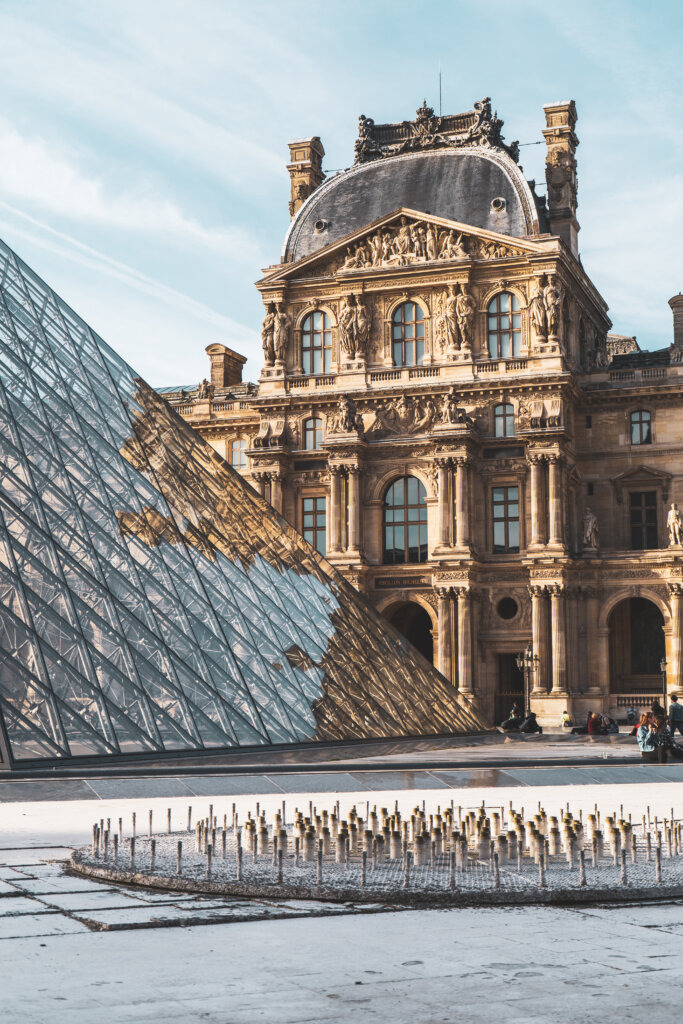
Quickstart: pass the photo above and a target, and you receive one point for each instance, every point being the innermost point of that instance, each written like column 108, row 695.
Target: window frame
column 323, row 333
column 238, row 444
column 644, row 417
column 506, row 519
column 643, row 525
column 494, row 333
column 408, row 333
column 316, row 431
column 315, row 531
column 504, row 416
column 397, row 517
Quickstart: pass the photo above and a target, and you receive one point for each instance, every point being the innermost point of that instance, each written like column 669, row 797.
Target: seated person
column 596, row 725
column 566, row 720
column 514, row 720
column 649, row 738
column 581, row 730
column 530, row 724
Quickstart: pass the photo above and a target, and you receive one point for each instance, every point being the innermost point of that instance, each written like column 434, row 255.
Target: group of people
column 596, row 725
column 656, row 730
column 517, row 721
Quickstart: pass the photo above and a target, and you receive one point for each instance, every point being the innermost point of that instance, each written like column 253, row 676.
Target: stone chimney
column 226, row 366
column 560, row 171
column 676, row 304
column 305, row 169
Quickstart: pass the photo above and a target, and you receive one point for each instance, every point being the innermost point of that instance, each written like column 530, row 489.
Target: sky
column 143, row 143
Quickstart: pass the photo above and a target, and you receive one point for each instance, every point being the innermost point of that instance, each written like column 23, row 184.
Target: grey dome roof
column 458, row 184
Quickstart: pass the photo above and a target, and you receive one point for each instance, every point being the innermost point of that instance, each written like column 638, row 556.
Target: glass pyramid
column 150, row 601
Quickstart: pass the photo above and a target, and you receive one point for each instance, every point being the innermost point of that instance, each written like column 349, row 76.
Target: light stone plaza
column 350, row 693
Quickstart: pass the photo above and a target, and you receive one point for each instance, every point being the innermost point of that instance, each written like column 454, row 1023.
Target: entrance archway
column 414, row 623
column 636, row 646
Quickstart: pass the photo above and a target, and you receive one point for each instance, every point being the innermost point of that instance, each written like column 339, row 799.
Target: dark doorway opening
column 416, row 626
column 510, row 687
column 636, row 646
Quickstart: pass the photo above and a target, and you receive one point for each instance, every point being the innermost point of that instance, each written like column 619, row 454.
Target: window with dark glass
column 641, row 427
column 643, row 508
column 505, row 519
column 314, row 522
column 405, row 522
column 313, row 434
column 408, row 335
column 238, row 453
column 504, row 420
column 316, row 343
column 504, row 326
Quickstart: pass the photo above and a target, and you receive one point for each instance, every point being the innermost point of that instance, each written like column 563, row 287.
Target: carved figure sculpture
column 552, row 298
column 346, row 421
column 431, row 242
column 361, row 329
column 537, row 313
column 674, row 522
column 450, row 320
column 449, row 407
column 590, row 530
column 452, row 248
column 345, row 325
column 281, row 333
column 465, row 310
column 267, row 331
column 205, row 389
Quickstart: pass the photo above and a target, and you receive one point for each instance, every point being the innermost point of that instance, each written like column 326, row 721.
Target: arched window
column 505, row 326
column 316, row 343
column 504, row 420
column 238, row 453
column 313, row 434
column 408, row 335
column 641, row 427
column 405, row 522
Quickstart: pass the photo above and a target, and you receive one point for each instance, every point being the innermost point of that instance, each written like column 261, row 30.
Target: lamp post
column 662, row 669
column 527, row 661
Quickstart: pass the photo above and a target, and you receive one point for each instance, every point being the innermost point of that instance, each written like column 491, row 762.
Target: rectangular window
column 589, row 490
column 505, row 506
column 589, row 422
column 643, row 508
column 314, row 522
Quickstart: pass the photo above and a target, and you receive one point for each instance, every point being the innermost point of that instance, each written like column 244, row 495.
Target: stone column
column 354, row 509
column 593, row 654
column 465, row 680
column 276, row 492
column 559, row 642
column 673, row 668
column 260, row 482
column 555, row 500
column 462, row 499
column 335, row 510
column 444, row 505
column 536, row 466
column 539, row 682
column 445, row 653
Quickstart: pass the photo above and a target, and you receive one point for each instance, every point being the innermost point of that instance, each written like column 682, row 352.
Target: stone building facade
column 443, row 412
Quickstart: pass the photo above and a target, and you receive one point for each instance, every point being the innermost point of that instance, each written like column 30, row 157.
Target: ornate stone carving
column 347, row 419
column 267, row 332
column 205, row 389
column 553, row 293
column 590, row 530
column 402, row 415
column 478, row 127
column 537, row 312
column 412, row 241
column 354, row 322
column 282, row 324
column 465, row 310
column 674, row 524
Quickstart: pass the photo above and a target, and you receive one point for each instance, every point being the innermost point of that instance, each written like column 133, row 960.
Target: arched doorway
column 636, row 646
column 414, row 623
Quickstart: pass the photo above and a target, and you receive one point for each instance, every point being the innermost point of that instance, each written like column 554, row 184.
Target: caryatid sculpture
column 590, row 530
column 552, row 297
column 267, row 332
column 537, row 313
column 361, row 330
column 674, row 523
column 450, row 320
column 281, row 333
column 465, row 310
column 345, row 324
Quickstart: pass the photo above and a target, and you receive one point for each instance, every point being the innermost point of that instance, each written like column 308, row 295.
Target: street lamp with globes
column 527, row 662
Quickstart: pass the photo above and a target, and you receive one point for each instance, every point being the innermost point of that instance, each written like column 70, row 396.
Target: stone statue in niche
column 465, row 310
column 537, row 313
column 267, row 332
column 674, row 523
column 281, row 333
column 590, row 530
column 552, row 299
column 345, row 326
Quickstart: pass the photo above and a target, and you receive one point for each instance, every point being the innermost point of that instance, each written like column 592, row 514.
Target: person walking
column 675, row 715
column 652, row 749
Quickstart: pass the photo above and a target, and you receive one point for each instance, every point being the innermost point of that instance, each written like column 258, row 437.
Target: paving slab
column 323, row 782
column 232, row 785
column 379, row 781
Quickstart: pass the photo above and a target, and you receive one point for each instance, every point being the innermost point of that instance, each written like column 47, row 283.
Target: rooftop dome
column 456, row 167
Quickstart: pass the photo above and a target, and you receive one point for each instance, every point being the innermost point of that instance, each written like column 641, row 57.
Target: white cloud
column 34, row 172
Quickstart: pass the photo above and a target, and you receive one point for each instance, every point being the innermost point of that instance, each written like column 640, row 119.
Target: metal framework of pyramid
column 150, row 601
